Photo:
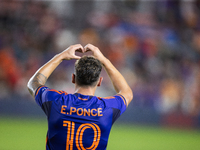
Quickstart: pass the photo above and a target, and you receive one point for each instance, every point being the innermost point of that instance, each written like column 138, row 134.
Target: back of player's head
column 87, row 71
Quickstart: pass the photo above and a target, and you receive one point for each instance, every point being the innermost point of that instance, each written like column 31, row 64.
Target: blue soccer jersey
column 76, row 121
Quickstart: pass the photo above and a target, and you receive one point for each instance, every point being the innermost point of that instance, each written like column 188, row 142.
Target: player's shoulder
column 57, row 92
column 114, row 100
column 106, row 98
column 48, row 92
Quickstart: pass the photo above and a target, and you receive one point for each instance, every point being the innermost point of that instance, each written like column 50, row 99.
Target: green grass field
column 27, row 134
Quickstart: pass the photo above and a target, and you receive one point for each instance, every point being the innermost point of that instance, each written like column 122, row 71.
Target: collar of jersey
column 83, row 97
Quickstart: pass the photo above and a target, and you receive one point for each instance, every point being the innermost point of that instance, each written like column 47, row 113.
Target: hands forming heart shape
column 81, row 49
column 69, row 53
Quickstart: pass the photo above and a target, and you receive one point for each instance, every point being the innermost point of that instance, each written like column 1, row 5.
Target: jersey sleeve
column 121, row 103
column 116, row 102
column 118, row 105
column 39, row 96
column 44, row 97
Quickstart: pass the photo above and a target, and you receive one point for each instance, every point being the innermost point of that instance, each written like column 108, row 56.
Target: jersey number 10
column 79, row 135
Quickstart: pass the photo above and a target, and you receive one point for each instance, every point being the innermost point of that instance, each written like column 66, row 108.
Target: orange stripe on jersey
column 38, row 90
column 110, row 97
column 64, row 92
column 82, row 98
column 55, row 91
column 59, row 92
column 123, row 99
column 46, row 140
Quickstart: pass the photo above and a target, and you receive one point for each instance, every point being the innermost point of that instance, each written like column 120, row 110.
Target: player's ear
column 73, row 78
column 100, row 81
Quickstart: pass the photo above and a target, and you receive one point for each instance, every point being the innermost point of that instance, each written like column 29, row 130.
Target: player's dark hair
column 87, row 71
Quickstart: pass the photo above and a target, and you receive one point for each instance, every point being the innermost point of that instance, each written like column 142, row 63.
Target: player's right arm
column 43, row 73
column 118, row 81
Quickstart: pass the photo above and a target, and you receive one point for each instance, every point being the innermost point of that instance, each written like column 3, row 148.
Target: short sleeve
column 116, row 102
column 121, row 102
column 44, row 97
column 40, row 95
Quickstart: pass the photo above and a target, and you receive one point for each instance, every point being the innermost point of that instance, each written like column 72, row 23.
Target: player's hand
column 69, row 53
column 96, row 52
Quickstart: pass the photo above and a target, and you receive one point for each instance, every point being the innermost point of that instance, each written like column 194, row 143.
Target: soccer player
column 80, row 121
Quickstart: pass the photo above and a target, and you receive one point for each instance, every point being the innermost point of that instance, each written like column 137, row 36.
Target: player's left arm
column 43, row 73
column 121, row 86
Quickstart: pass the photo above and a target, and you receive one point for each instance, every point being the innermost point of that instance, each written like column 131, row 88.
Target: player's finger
column 89, row 47
column 76, row 57
column 86, row 48
column 79, row 48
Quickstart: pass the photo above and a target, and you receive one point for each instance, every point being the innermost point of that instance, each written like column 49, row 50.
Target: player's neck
column 85, row 90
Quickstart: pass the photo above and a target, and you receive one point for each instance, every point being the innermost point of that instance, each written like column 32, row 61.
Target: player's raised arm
column 43, row 73
column 118, row 81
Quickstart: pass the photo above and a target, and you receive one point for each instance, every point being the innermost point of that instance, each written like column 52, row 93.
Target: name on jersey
column 81, row 111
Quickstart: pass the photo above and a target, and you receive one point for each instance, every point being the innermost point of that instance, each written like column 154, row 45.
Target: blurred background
column 154, row 44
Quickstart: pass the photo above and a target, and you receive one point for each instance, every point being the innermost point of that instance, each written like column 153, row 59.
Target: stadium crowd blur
column 154, row 44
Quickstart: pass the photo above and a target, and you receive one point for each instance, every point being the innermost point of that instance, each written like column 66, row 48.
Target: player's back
column 79, row 122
